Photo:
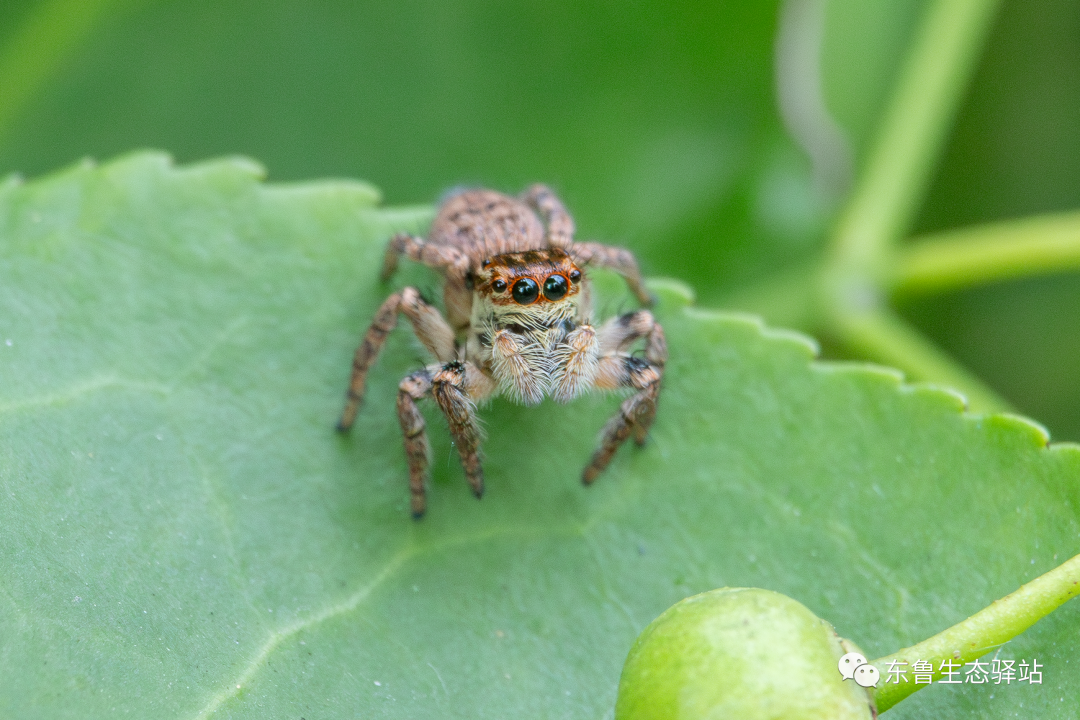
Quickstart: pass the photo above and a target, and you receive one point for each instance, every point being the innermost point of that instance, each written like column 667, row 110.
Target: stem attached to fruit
column 985, row 630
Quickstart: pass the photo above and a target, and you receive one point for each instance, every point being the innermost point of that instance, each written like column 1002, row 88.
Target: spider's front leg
column 616, row 369
column 417, row 450
column 455, row 386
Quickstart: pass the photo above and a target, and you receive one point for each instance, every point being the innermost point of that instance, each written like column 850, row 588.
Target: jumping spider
column 518, row 323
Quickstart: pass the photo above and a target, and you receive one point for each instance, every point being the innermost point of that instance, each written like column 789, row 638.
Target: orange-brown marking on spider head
column 533, row 277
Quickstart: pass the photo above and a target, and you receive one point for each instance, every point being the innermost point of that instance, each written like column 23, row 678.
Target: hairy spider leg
column 618, row 370
column 411, row 389
column 621, row 332
column 428, row 325
column 455, row 386
column 577, row 364
column 559, row 224
column 457, row 295
column 617, row 259
column 436, row 255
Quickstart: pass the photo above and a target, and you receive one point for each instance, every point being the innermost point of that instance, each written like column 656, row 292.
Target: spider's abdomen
column 484, row 223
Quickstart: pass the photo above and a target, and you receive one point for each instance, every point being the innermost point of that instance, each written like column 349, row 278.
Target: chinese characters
column 976, row 672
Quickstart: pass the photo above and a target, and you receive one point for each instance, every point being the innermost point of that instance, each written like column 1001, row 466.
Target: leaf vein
column 405, row 554
column 76, row 392
column 279, row 636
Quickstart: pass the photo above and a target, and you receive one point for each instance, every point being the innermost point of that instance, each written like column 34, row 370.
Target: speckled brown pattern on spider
column 518, row 322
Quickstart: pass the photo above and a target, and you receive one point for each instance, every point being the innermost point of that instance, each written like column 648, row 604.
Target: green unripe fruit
column 738, row 654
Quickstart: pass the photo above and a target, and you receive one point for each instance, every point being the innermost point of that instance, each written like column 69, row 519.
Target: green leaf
column 184, row 534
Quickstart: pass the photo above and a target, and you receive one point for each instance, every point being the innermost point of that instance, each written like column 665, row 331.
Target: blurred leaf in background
column 657, row 122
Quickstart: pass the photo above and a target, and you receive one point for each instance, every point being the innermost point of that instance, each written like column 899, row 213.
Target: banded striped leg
column 560, row 226
column 616, row 370
column 427, row 323
column 637, row 411
column 618, row 259
column 411, row 389
column 456, row 388
column 432, row 255
column 616, row 335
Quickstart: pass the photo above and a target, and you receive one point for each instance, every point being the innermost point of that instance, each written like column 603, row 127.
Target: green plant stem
column 916, row 121
column 46, row 38
column 978, row 255
column 885, row 338
column 890, row 188
column 985, row 630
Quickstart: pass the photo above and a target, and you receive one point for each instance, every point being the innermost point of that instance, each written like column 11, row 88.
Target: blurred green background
column 658, row 123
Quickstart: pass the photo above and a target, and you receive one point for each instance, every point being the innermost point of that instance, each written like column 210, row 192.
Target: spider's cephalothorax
column 518, row 322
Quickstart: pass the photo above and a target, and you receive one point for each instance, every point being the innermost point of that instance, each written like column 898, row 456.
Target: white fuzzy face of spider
column 529, row 323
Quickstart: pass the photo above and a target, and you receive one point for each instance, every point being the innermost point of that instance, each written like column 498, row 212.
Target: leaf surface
column 185, row 536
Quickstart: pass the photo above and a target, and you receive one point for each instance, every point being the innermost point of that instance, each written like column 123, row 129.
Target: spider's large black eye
column 526, row 291
column 498, row 285
column 555, row 288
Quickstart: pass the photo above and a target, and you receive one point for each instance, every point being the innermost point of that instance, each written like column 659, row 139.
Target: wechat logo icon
column 853, row 666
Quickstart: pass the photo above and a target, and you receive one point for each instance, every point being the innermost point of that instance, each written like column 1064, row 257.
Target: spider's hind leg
column 559, row 224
